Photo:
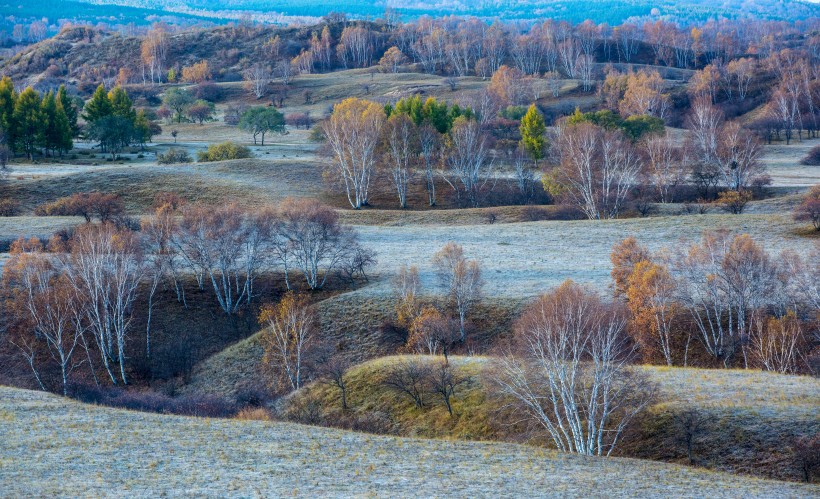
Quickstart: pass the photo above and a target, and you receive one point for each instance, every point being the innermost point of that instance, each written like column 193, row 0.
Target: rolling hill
column 59, row 448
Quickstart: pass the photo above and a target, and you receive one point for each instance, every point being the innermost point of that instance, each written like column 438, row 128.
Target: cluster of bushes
column 173, row 156
column 633, row 127
column 9, row 208
column 89, row 205
column 812, row 158
column 224, row 152
column 434, row 112
column 206, row 406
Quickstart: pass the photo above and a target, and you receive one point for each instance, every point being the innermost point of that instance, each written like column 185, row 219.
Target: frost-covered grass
column 57, row 447
column 748, row 420
column 525, row 259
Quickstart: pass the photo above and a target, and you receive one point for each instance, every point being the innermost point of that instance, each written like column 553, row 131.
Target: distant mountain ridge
column 610, row 11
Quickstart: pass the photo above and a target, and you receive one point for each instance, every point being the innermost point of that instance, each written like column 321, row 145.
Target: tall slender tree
column 28, row 121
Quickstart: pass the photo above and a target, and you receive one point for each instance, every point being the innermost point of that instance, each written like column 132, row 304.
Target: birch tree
column 400, row 147
column 461, row 280
column 468, row 158
column 106, row 267
column 568, row 371
column 352, row 134
column 291, row 330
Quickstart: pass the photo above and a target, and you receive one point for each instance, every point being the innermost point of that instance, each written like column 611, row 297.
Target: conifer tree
column 69, row 108
column 98, row 107
column 28, row 122
column 7, row 99
column 121, row 104
column 56, row 130
column 532, row 133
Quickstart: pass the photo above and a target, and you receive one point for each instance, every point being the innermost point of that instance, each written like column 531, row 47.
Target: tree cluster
column 724, row 301
column 114, row 123
column 32, row 122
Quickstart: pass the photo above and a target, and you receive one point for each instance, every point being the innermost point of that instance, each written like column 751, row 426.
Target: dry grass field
column 748, row 419
column 59, row 448
column 783, row 164
column 524, row 259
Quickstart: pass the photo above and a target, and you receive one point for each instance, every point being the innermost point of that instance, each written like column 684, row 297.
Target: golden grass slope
column 57, row 447
column 749, row 419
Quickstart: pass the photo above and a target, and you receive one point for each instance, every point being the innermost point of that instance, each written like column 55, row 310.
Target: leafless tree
column 689, row 424
column 284, row 71
column 51, row 309
column 778, row 344
column 738, row 156
column 315, row 240
column 356, row 46
column 227, row 244
column 569, row 50
column 332, row 372
column 257, row 78
column 291, row 329
column 106, row 267
column 569, row 373
column 400, row 146
column 468, row 158
column 525, row 178
column 461, row 280
column 443, row 379
column 352, row 134
column 429, row 142
column 665, row 163
column 409, row 377
column 597, row 168
column 704, row 123
column 722, row 282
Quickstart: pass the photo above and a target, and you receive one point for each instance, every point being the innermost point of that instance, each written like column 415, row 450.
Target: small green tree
column 56, row 133
column 533, row 132
column 114, row 133
column 8, row 97
column 98, row 107
column 262, row 120
column 121, row 104
column 200, row 111
column 70, row 109
column 178, row 100
column 28, row 121
column 144, row 128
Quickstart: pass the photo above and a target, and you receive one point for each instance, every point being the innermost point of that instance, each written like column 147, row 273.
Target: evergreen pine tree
column 29, row 122
column 8, row 97
column 49, row 134
column 63, row 133
column 121, row 104
column 69, row 108
column 98, row 107
column 532, row 133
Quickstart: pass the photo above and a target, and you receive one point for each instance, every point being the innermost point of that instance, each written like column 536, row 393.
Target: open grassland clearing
column 783, row 163
column 127, row 453
column 525, row 259
column 248, row 182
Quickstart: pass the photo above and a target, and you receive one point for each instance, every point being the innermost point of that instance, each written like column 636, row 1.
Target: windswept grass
column 59, row 448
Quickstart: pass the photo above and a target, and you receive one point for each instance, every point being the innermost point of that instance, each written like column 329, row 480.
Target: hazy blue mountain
column 611, row 11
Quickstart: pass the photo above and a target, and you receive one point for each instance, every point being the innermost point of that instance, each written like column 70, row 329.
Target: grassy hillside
column 749, row 419
column 57, row 447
